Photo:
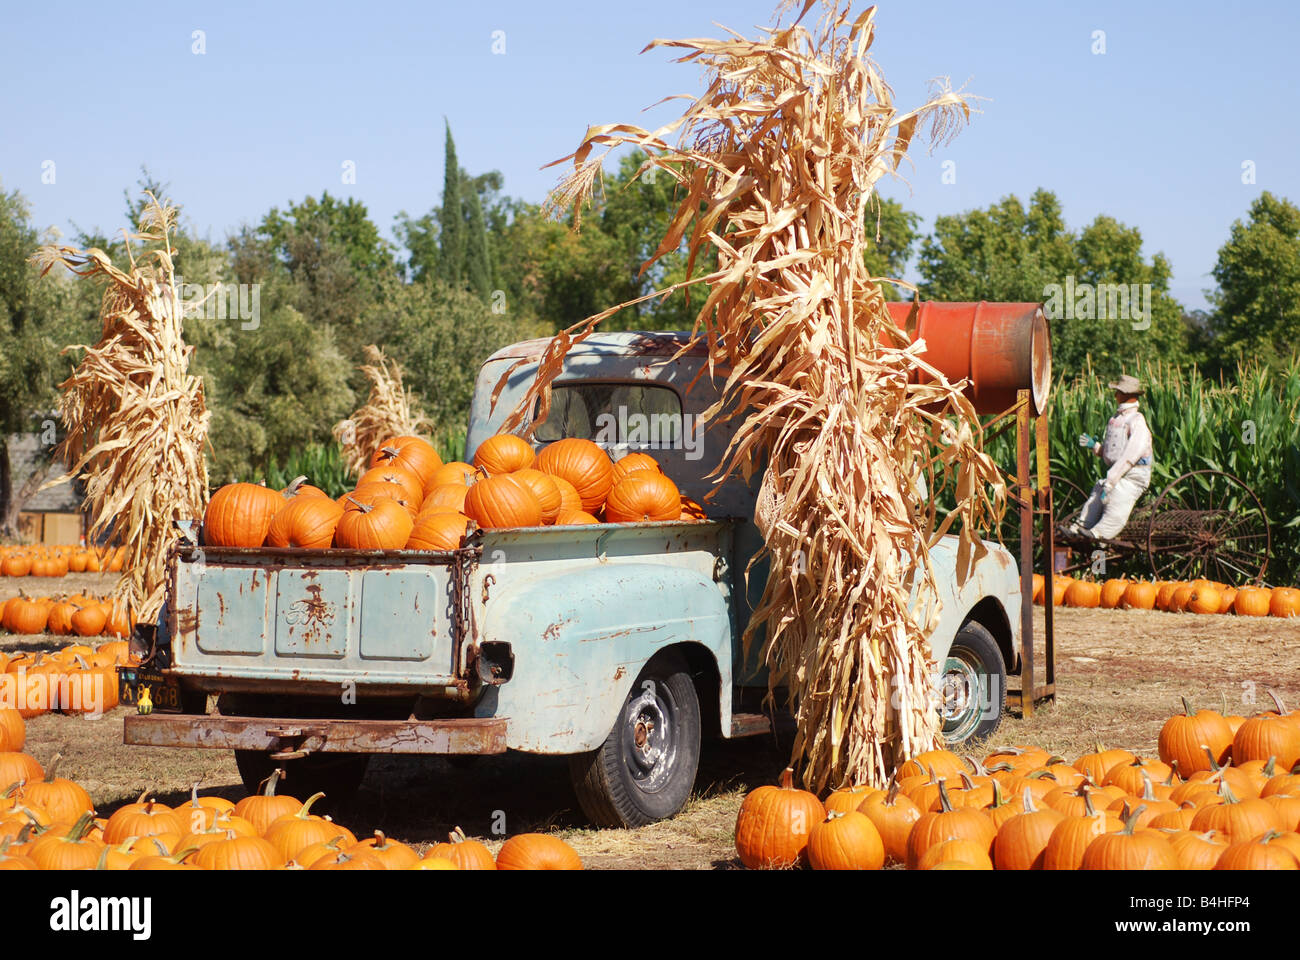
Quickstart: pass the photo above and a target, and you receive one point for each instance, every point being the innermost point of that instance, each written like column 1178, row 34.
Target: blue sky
column 1154, row 131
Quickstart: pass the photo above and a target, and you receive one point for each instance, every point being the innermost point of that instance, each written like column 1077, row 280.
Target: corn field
column 1247, row 425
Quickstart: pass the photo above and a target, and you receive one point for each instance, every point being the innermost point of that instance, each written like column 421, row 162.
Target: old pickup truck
column 615, row 645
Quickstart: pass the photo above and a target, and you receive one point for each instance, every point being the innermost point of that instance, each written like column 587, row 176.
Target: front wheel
column 973, row 686
column 645, row 769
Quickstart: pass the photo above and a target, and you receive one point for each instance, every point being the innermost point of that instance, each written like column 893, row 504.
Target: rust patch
column 620, row 673
column 552, row 632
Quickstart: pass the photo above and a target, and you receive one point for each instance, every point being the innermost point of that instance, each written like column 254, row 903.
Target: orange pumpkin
column 537, row 851
column 438, row 531
column 305, row 522
column 1252, row 602
column 1112, row 592
column 413, row 454
column 1284, row 602
column 1139, row 595
column 502, row 501
column 584, row 465
column 503, row 453
column 643, row 496
column 239, row 515
column 374, row 525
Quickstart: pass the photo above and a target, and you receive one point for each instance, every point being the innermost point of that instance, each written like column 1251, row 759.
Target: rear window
column 637, row 414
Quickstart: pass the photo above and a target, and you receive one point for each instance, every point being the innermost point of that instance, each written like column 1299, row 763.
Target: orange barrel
column 1000, row 347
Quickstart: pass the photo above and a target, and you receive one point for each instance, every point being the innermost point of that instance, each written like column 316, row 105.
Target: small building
column 53, row 515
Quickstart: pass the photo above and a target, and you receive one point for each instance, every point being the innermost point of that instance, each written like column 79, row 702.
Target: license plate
column 164, row 691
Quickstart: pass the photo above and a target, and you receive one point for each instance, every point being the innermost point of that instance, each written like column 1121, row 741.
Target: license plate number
column 164, row 691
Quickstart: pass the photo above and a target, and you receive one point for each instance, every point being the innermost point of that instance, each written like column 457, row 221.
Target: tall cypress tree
column 478, row 263
column 451, row 220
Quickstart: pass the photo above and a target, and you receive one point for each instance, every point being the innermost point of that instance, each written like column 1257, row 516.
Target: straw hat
column 1127, row 384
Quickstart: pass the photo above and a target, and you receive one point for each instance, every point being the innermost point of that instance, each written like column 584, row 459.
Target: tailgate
column 337, row 616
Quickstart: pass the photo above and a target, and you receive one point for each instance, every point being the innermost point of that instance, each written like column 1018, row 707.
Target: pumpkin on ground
column 845, row 841
column 537, row 851
column 773, row 824
column 462, row 852
column 1184, row 737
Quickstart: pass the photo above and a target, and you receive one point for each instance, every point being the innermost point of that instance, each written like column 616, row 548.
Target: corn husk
column 390, row 411
column 136, row 419
column 777, row 163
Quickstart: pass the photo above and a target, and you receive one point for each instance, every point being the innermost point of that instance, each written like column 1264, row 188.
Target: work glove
column 1088, row 442
column 1107, row 488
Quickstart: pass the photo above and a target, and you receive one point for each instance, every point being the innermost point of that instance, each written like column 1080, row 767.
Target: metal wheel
column 1208, row 524
column 1067, row 501
column 972, row 687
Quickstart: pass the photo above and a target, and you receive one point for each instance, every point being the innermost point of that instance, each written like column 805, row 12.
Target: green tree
column 1257, row 303
column 451, row 219
column 891, row 235
column 478, row 263
column 1011, row 253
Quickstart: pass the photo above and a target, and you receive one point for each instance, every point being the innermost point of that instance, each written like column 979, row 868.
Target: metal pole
column 1025, row 491
column 1047, row 510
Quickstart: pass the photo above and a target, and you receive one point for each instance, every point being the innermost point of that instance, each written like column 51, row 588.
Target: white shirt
column 1127, row 441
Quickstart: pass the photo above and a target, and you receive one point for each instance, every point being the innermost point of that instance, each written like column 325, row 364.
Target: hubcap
column 960, row 701
column 648, row 741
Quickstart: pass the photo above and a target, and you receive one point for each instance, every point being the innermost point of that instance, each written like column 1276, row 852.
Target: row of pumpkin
column 1173, row 596
column 78, row 679
column 410, row 499
column 69, row 615
column 48, row 822
column 59, row 561
column 1224, row 794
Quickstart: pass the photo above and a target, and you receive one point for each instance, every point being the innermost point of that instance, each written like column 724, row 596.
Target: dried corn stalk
column 390, row 411
column 136, row 420
column 777, row 161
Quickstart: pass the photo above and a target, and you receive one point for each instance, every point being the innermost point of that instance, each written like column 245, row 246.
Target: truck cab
column 616, row 645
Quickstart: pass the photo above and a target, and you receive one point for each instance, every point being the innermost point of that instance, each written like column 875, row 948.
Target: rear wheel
column 972, row 686
column 645, row 769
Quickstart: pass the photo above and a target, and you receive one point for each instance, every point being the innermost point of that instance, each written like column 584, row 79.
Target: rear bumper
column 288, row 738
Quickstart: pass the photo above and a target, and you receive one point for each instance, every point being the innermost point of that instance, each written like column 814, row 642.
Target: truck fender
column 581, row 636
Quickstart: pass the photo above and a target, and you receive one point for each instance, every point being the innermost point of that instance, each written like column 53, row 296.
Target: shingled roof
column 24, row 456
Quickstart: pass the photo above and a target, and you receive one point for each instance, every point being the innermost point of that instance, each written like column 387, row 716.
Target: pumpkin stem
column 1088, row 809
column 1187, row 708
column 1146, row 786
column 998, row 800
column 10, row 790
column 891, row 797
column 102, row 862
column 85, row 823
column 54, row 765
column 1269, row 770
column 381, row 842
column 269, row 789
column 1214, row 764
column 945, row 804
column 25, row 833
column 1270, row 836
column 834, row 815
column 1131, row 819
column 1225, row 791
column 1041, row 773
column 305, row 812
column 194, row 794
column 292, row 489
column 966, row 782
column 1028, row 801
column 1277, row 702
column 787, row 775
column 456, row 836
column 180, row 855
column 976, row 766
column 143, row 793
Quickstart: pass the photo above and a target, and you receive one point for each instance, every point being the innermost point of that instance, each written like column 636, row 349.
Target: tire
column 622, row 784
column 973, row 686
column 337, row 775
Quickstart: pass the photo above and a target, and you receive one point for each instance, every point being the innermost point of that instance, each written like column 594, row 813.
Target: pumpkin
column 448, row 495
column 1097, row 764
column 1265, row 736
column 200, row 812
column 239, row 515
column 410, row 484
column 1228, row 598
column 1260, row 853
column 60, row 619
column 1139, row 595
column 75, row 849
column 847, row 799
column 586, row 466
column 1165, row 594
column 1021, row 842
column 374, row 490
column 1130, row 849
column 299, row 487
column 64, row 800
column 238, row 853
column 773, row 824
column 569, row 499
column 537, row 851
column 632, row 462
column 119, row 622
column 412, row 454
column 1112, row 592
column 1060, row 586
column 1284, row 602
column 1197, row 851
column 1205, row 600
column 351, row 859
column 462, row 853
column 502, row 501
column 1237, row 819
column 574, row 518
column 1073, row 836
column 845, row 841
column 437, row 863
column 1252, row 602
column 10, row 860
column 692, row 510
column 28, row 616
column 1177, row 819
column 292, row 832
column 13, row 731
column 90, row 620
column 893, row 815
column 16, row 566
column 453, row 472
column 16, row 766
column 317, row 851
column 263, row 809
column 1130, row 776
column 504, row 453
column 144, row 818
column 643, row 496
column 1083, row 593
column 948, row 823
column 943, row 763
column 1182, row 596
column 374, row 525
column 1184, row 737
column 1040, row 583
column 438, row 531
column 305, row 522
column 544, row 489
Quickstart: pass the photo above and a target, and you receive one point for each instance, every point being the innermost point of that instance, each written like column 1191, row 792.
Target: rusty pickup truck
column 615, row 645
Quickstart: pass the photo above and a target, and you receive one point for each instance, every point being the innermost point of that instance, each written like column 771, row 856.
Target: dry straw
column 777, row 163
column 390, row 411
column 136, row 420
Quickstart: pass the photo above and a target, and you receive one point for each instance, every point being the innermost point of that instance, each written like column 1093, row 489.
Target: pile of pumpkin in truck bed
column 409, row 499
column 1172, row 596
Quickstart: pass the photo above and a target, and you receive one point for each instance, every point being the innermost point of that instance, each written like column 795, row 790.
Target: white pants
column 1104, row 520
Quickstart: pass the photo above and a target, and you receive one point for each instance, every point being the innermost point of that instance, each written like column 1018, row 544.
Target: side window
column 636, row 414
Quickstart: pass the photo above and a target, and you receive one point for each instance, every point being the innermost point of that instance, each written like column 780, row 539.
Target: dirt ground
column 1119, row 675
